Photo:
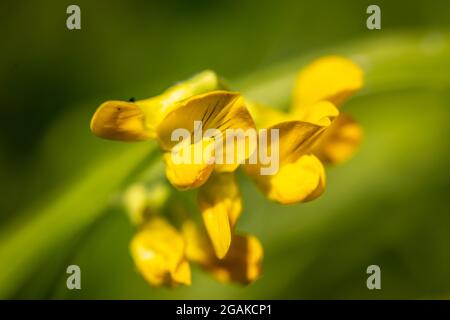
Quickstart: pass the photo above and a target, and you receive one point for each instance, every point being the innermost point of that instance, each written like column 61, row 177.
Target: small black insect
column 132, row 99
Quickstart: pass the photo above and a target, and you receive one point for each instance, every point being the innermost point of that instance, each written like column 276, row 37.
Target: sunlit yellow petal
column 340, row 141
column 182, row 274
column 222, row 190
column 219, row 110
column 158, row 251
column 218, row 227
column 266, row 116
column 320, row 113
column 298, row 181
column 136, row 121
column 220, row 204
column 120, row 120
column 295, row 138
column 198, row 245
column 237, row 146
column 157, row 107
column 329, row 78
column 242, row 264
column 187, row 172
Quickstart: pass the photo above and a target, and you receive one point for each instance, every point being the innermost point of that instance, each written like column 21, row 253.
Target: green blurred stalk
column 391, row 63
column 26, row 242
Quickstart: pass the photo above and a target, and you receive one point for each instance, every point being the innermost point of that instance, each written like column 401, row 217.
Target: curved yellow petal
column 190, row 166
column 236, row 146
column 216, row 110
column 157, row 107
column 331, row 78
column 142, row 200
column 296, row 138
column 182, row 274
column 120, row 120
column 220, row 204
column 299, row 181
column 340, row 141
column 286, row 141
column 321, row 113
column 158, row 251
column 242, row 264
column 266, row 116
column 222, row 189
column 198, row 246
column 136, row 121
column 218, row 227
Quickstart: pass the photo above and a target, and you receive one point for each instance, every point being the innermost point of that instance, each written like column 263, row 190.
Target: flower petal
column 219, row 110
column 189, row 172
column 295, row 138
column 120, row 120
column 266, row 116
column 299, row 181
column 340, row 141
column 320, row 113
column 205, row 81
column 182, row 274
column 218, row 227
column 331, row 78
column 198, row 246
column 136, row 121
column 158, row 251
column 220, row 203
column 242, row 264
column 222, row 189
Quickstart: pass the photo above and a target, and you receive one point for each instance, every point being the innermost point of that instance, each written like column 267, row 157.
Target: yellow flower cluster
column 311, row 133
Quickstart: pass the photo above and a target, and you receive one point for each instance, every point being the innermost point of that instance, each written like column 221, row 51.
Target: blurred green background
column 387, row 206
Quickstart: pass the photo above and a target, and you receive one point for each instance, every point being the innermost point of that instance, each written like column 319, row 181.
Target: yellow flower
column 220, row 203
column 179, row 108
column 216, row 110
column 198, row 99
column 158, row 251
column 312, row 131
column 162, row 254
column 333, row 79
column 137, row 120
column 339, row 143
column 301, row 176
column 141, row 201
column 242, row 264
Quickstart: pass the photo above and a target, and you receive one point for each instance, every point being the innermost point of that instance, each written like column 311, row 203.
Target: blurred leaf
column 27, row 242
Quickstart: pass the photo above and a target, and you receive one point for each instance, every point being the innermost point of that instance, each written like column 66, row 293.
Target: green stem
column 395, row 62
column 26, row 243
